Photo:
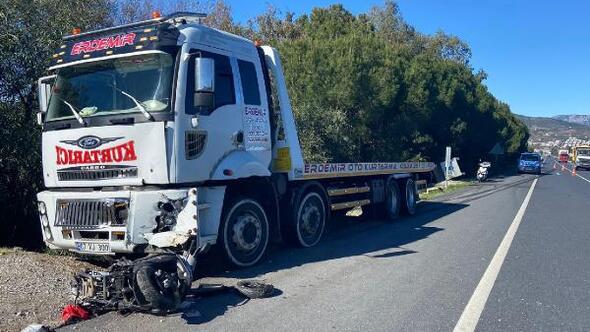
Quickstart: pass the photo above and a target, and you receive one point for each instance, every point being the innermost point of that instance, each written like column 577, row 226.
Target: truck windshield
column 112, row 87
column 584, row 152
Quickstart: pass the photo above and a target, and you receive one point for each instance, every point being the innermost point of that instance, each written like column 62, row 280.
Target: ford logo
column 89, row 142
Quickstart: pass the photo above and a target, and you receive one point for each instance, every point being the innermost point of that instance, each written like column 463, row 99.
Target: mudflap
column 155, row 284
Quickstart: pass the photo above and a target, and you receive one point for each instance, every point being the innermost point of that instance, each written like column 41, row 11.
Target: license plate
column 95, row 247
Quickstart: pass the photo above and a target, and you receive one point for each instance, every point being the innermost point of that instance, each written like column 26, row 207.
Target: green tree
column 30, row 32
column 366, row 87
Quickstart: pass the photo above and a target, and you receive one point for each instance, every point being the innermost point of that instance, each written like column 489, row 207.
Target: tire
column 244, row 232
column 409, row 197
column 393, row 201
column 150, row 290
column 309, row 223
column 254, row 289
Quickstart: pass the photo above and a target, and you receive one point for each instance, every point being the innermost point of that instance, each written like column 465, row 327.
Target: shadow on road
column 345, row 237
column 203, row 308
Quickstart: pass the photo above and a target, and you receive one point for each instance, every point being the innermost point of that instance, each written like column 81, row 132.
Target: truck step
column 348, row 191
column 351, row 204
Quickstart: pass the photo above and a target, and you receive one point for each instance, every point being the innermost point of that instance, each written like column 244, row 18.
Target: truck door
column 205, row 134
column 255, row 112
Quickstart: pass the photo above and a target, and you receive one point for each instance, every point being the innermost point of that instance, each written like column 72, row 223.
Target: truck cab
column 136, row 118
column 581, row 156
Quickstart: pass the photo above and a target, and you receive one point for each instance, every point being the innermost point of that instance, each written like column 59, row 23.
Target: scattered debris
column 155, row 284
column 74, row 313
column 45, row 278
column 35, row 328
column 254, row 289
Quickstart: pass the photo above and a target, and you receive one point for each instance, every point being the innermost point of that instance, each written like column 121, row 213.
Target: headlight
column 42, row 208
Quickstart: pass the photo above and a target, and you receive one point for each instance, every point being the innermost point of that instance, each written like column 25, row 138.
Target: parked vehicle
column 581, row 156
column 563, row 156
column 168, row 136
column 482, row 171
column 530, row 163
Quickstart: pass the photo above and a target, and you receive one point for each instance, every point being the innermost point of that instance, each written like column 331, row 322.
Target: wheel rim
column 311, row 219
column 246, row 233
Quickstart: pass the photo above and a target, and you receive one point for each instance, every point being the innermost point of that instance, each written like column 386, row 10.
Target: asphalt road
column 419, row 273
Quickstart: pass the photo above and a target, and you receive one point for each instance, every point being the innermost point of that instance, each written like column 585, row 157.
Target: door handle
column 238, row 138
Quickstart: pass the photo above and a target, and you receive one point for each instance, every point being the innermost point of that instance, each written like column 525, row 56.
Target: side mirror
column 204, row 97
column 44, row 85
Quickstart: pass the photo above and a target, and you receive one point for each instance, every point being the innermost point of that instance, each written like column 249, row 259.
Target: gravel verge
column 34, row 287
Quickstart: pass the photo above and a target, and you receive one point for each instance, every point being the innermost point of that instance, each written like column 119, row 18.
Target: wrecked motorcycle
column 156, row 283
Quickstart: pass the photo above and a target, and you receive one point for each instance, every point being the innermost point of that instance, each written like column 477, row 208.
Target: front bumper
column 90, row 230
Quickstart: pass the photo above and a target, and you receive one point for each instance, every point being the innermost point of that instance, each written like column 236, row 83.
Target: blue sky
column 536, row 53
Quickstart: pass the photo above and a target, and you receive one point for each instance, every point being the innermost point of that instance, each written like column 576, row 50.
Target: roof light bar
column 175, row 17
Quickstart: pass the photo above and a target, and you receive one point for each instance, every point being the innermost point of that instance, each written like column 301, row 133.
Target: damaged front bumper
column 123, row 221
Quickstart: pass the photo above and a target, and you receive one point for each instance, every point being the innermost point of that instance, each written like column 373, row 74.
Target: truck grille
column 79, row 174
column 87, row 214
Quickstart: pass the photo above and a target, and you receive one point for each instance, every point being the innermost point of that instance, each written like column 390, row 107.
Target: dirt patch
column 34, row 287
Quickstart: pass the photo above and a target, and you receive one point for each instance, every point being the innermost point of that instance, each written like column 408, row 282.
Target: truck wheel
column 310, row 219
column 244, row 234
column 410, row 197
column 392, row 200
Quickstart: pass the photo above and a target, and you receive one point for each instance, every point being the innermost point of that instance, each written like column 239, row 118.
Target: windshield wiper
column 73, row 109
column 137, row 103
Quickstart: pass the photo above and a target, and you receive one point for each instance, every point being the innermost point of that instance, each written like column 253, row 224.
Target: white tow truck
column 168, row 137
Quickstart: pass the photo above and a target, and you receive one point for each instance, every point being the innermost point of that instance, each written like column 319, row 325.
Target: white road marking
column 470, row 316
column 581, row 177
column 578, row 175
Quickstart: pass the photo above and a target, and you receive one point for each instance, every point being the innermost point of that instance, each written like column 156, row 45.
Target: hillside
column 575, row 118
column 552, row 133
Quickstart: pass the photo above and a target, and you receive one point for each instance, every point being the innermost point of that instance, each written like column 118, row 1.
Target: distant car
column 530, row 163
column 564, row 156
